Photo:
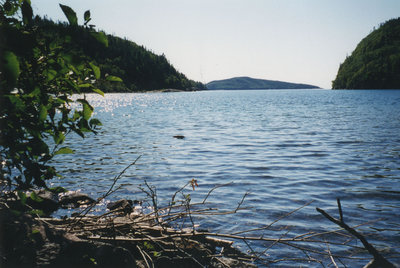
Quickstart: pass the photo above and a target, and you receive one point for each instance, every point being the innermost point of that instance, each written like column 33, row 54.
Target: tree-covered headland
column 375, row 63
column 139, row 68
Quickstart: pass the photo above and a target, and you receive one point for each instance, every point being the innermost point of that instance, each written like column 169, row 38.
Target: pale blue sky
column 290, row 40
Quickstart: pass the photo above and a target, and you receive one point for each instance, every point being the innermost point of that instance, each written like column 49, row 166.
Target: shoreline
column 120, row 237
column 125, row 236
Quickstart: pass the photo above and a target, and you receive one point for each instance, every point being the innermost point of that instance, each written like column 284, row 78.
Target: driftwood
column 155, row 243
column 144, row 230
column 378, row 260
column 168, row 235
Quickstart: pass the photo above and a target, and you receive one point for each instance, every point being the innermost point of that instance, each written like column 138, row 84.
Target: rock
column 122, row 205
column 75, row 200
column 44, row 200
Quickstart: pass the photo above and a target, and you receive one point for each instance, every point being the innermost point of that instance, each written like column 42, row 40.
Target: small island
column 243, row 83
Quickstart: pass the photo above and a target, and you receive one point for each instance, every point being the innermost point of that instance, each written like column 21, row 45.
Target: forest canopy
column 139, row 68
column 375, row 63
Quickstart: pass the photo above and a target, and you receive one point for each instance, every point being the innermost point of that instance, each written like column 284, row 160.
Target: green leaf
column 93, row 260
column 87, row 109
column 34, row 93
column 83, row 125
column 59, row 137
column 42, row 113
column 98, row 91
column 96, row 70
column 22, row 197
column 70, row 14
column 95, row 122
column 86, row 85
column 64, row 150
column 50, row 74
column 16, row 101
column 147, row 245
column 37, row 212
column 27, row 12
column 58, row 189
column 86, row 16
column 101, row 37
column 11, row 67
column 156, row 254
column 36, row 198
column 113, row 78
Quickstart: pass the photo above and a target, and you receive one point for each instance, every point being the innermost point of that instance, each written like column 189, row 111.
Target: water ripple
column 284, row 147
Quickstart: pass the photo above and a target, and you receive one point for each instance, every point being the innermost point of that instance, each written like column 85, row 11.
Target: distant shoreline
column 167, row 90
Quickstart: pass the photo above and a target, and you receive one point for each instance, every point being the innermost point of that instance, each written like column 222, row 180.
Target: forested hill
column 252, row 83
column 375, row 63
column 139, row 68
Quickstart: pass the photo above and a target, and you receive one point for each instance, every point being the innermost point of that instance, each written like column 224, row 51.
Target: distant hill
column 139, row 68
column 252, row 83
column 375, row 63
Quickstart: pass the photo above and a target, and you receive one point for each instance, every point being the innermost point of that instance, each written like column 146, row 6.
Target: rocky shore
column 121, row 237
column 125, row 236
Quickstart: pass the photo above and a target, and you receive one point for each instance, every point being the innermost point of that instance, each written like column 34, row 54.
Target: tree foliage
column 38, row 78
column 244, row 83
column 375, row 63
column 139, row 68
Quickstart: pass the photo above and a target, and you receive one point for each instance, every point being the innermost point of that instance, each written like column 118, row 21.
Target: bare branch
column 215, row 187
column 378, row 260
column 275, row 221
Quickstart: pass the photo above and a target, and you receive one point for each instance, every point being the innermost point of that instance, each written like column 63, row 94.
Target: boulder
column 123, row 205
column 44, row 200
column 75, row 200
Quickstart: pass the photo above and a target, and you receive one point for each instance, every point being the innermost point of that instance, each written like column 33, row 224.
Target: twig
column 153, row 195
column 143, row 256
column 378, row 260
column 330, row 256
column 118, row 177
column 174, row 195
column 84, row 212
column 187, row 204
column 275, row 221
column 274, row 243
column 241, row 201
column 215, row 187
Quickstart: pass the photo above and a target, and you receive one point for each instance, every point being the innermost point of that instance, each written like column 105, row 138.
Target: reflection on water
column 285, row 147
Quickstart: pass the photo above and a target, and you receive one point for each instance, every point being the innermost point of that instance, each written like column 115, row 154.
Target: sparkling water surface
column 284, row 147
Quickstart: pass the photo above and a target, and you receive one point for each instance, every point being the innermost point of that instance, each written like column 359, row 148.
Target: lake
column 284, row 147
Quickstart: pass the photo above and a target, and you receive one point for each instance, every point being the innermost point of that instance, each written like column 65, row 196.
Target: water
column 284, row 147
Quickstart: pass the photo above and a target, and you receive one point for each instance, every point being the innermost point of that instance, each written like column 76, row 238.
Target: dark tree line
column 139, row 68
column 375, row 63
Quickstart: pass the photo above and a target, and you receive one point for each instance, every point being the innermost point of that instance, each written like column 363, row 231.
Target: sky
column 300, row 41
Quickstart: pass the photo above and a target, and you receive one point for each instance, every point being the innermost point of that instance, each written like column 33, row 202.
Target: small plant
column 38, row 78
